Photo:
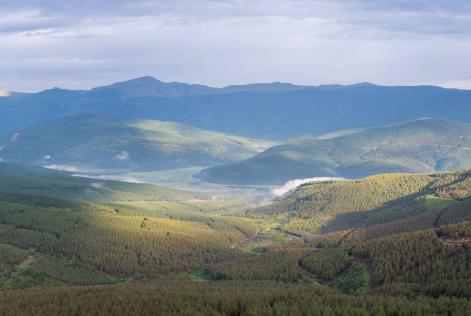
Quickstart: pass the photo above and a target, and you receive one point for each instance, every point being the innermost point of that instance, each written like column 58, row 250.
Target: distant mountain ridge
column 425, row 145
column 148, row 86
column 276, row 111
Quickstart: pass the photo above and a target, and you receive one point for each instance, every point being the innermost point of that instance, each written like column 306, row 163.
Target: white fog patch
column 293, row 184
column 97, row 185
column 123, row 156
column 47, row 157
column 14, row 137
column 108, row 177
column 62, row 168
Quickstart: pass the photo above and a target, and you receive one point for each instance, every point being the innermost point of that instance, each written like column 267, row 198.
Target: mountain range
column 276, row 111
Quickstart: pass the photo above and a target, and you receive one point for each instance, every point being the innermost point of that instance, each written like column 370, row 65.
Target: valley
column 235, row 158
column 335, row 239
column 105, row 215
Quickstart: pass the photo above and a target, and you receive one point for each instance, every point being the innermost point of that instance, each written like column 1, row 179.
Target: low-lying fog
column 183, row 179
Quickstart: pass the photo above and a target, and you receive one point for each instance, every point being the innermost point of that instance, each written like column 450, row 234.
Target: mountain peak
column 149, row 86
column 143, row 79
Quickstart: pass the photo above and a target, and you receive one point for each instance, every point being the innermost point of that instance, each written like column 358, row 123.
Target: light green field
column 436, row 203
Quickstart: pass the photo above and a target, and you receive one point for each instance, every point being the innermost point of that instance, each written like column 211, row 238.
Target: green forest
column 393, row 244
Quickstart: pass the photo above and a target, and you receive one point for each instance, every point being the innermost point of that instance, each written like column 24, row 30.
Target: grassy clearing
column 434, row 203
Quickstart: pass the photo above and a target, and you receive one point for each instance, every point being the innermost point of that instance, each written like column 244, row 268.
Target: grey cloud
column 79, row 44
column 421, row 16
column 455, row 6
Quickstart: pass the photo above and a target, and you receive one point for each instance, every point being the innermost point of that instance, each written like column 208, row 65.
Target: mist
column 293, row 184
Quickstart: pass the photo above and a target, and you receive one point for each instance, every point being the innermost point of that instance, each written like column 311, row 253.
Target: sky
column 79, row 44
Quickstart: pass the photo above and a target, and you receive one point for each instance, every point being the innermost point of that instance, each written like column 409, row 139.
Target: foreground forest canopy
column 395, row 244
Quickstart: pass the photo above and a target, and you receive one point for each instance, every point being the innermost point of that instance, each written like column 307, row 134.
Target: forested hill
column 44, row 182
column 394, row 202
column 273, row 111
column 425, row 145
column 92, row 141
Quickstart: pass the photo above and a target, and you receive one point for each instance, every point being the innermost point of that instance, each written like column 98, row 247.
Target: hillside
column 387, row 244
column 425, row 145
column 342, row 205
column 268, row 111
column 78, row 243
column 30, row 180
column 420, row 273
column 59, row 229
column 90, row 141
column 172, row 203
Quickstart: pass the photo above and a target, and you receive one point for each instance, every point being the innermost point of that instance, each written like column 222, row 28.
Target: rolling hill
column 376, row 205
column 276, row 111
column 47, row 241
column 59, row 229
column 425, row 145
column 96, row 142
column 16, row 178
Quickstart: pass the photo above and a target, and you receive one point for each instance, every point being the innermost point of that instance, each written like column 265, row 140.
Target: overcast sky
column 85, row 43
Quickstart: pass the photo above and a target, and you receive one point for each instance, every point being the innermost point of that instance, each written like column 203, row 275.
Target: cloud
column 435, row 16
column 80, row 44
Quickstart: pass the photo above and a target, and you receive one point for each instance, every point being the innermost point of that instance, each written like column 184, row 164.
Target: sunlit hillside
column 426, row 145
column 90, row 142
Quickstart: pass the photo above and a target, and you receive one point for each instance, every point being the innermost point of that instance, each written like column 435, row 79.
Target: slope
column 90, row 141
column 322, row 207
column 425, row 145
column 59, row 229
